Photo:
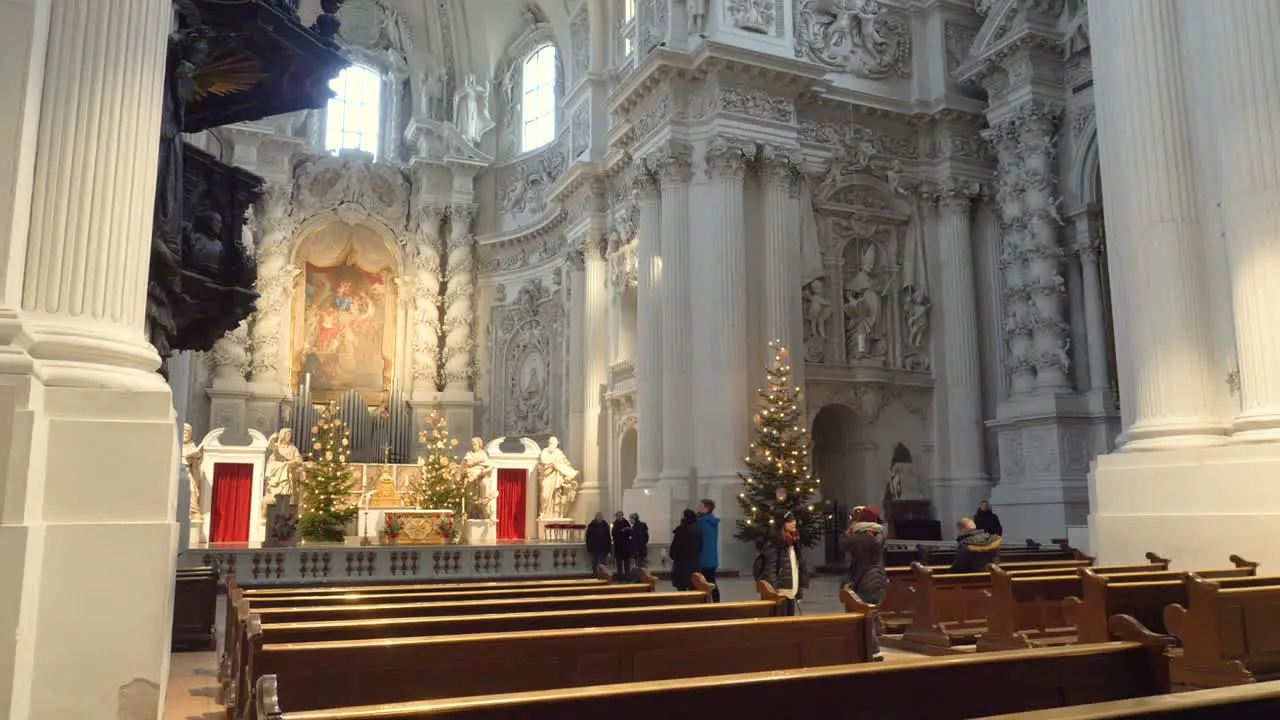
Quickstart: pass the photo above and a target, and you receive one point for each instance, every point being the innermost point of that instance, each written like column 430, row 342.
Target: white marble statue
column 904, row 483
column 284, row 462
column 558, row 481
column 698, row 17
column 471, row 109
column 191, row 455
column 862, row 306
column 917, row 317
column 476, row 467
column 817, row 309
column 431, row 89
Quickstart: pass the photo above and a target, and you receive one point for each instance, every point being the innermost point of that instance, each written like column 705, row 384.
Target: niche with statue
column 907, row 504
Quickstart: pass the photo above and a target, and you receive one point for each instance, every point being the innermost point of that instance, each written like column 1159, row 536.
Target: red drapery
column 511, row 489
column 232, row 503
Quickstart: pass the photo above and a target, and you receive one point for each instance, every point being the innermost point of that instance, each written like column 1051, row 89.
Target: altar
column 413, row 526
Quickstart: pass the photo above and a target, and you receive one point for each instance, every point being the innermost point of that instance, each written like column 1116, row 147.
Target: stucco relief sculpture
column 854, row 36
column 476, row 467
column 697, row 17
column 755, row 16
column 231, row 354
column 284, row 463
column 191, row 455
column 524, row 190
column 916, row 310
column 863, row 307
column 817, row 318
column 471, row 109
column 431, row 84
column 557, row 481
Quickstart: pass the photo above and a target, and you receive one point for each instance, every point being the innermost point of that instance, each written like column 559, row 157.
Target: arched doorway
column 835, row 462
column 627, row 460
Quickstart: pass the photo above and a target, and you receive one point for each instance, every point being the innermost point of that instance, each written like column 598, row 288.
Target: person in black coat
column 784, row 564
column 639, row 541
column 863, row 541
column 975, row 549
column 686, row 546
column 988, row 521
column 598, row 541
column 621, row 544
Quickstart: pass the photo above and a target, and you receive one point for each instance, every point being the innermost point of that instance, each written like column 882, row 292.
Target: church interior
column 529, row 358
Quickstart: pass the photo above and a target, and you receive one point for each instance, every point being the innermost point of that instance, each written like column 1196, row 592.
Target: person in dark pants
column 598, row 541
column 686, row 546
column 863, row 542
column 784, row 564
column 709, row 558
column 987, row 520
column 639, row 541
column 621, row 544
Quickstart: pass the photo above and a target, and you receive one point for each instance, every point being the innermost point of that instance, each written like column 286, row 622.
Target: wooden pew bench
column 951, row 609
column 954, row 688
column 1245, row 702
column 319, row 675
column 195, row 609
column 342, row 613
column 1143, row 597
column 1230, row 634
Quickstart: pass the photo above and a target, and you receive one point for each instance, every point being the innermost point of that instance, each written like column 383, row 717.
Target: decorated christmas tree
column 778, row 480
column 327, row 483
column 439, row 483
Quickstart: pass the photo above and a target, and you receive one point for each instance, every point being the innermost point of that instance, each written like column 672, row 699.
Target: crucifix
column 386, row 454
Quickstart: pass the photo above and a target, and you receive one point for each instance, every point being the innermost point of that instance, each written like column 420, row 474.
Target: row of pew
column 580, row 647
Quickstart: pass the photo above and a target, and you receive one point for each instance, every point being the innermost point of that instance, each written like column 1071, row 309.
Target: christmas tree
column 778, row 480
column 439, row 484
column 327, row 483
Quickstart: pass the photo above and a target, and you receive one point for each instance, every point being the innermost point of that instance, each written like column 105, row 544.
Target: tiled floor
column 193, row 680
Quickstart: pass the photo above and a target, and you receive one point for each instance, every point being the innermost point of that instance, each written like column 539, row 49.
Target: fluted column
column 781, row 255
column 595, row 321
column 89, row 449
column 720, row 317
column 1240, row 37
column 675, row 168
column 649, row 288
column 459, row 316
column 1095, row 317
column 962, row 376
column 1153, row 227
column 425, row 286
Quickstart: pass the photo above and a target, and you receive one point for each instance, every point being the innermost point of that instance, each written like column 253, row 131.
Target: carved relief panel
column 527, row 361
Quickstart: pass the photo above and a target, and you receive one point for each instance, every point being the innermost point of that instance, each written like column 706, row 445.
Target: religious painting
column 345, row 322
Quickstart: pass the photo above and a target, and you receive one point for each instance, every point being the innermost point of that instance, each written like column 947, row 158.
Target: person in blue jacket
column 709, row 558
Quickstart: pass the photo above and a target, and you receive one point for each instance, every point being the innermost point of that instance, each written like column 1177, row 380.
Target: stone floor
column 193, row 677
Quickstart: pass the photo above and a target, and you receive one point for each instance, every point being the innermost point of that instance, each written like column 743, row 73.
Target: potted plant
column 391, row 529
column 447, row 529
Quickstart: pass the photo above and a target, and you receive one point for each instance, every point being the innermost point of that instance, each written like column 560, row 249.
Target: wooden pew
column 238, row 660
column 195, row 609
column 954, row 688
column 1246, row 702
column 1143, row 597
column 319, row 675
column 899, row 600
column 1230, row 634
column 330, row 599
column 602, row 576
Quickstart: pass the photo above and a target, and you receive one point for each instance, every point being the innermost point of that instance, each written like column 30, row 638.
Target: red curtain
column 232, row 503
column 511, row 489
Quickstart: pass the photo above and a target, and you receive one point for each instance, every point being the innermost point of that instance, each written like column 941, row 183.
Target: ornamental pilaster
column 425, row 268
column 674, row 165
column 458, row 278
column 649, row 337
column 277, row 279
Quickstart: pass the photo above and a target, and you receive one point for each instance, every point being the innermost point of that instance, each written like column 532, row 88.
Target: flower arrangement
column 447, row 529
column 391, row 527
column 284, row 527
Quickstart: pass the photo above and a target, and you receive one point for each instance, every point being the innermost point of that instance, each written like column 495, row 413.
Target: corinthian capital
column 645, row 183
column 673, row 162
column 461, row 215
column 729, row 157
column 778, row 164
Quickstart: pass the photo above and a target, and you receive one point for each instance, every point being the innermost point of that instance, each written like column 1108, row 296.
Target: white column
column 780, row 245
column 87, row 440
column 595, row 348
column 459, row 317
column 962, row 377
column 720, row 318
column 649, row 379
column 1240, row 35
column 675, row 169
column 276, row 275
column 1095, row 316
column 1153, row 227
column 425, row 286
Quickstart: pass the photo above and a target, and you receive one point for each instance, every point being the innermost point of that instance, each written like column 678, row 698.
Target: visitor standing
column 784, row 563
column 987, row 520
column 709, row 558
column 639, row 541
column 598, row 541
column 621, row 544
column 863, row 542
column 686, row 546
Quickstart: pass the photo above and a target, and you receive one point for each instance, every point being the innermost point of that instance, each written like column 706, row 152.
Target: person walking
column 784, row 564
column 863, row 542
column 686, row 546
column 598, row 541
column 709, row 558
column 639, row 541
column 621, row 544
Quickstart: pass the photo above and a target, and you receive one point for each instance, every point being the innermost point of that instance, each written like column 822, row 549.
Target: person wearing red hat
column 863, row 542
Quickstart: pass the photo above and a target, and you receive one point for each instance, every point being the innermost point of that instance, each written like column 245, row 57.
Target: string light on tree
column 439, row 485
column 327, row 483
column 778, row 479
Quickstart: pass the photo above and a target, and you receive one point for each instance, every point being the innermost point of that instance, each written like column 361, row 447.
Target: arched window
column 353, row 118
column 538, row 106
